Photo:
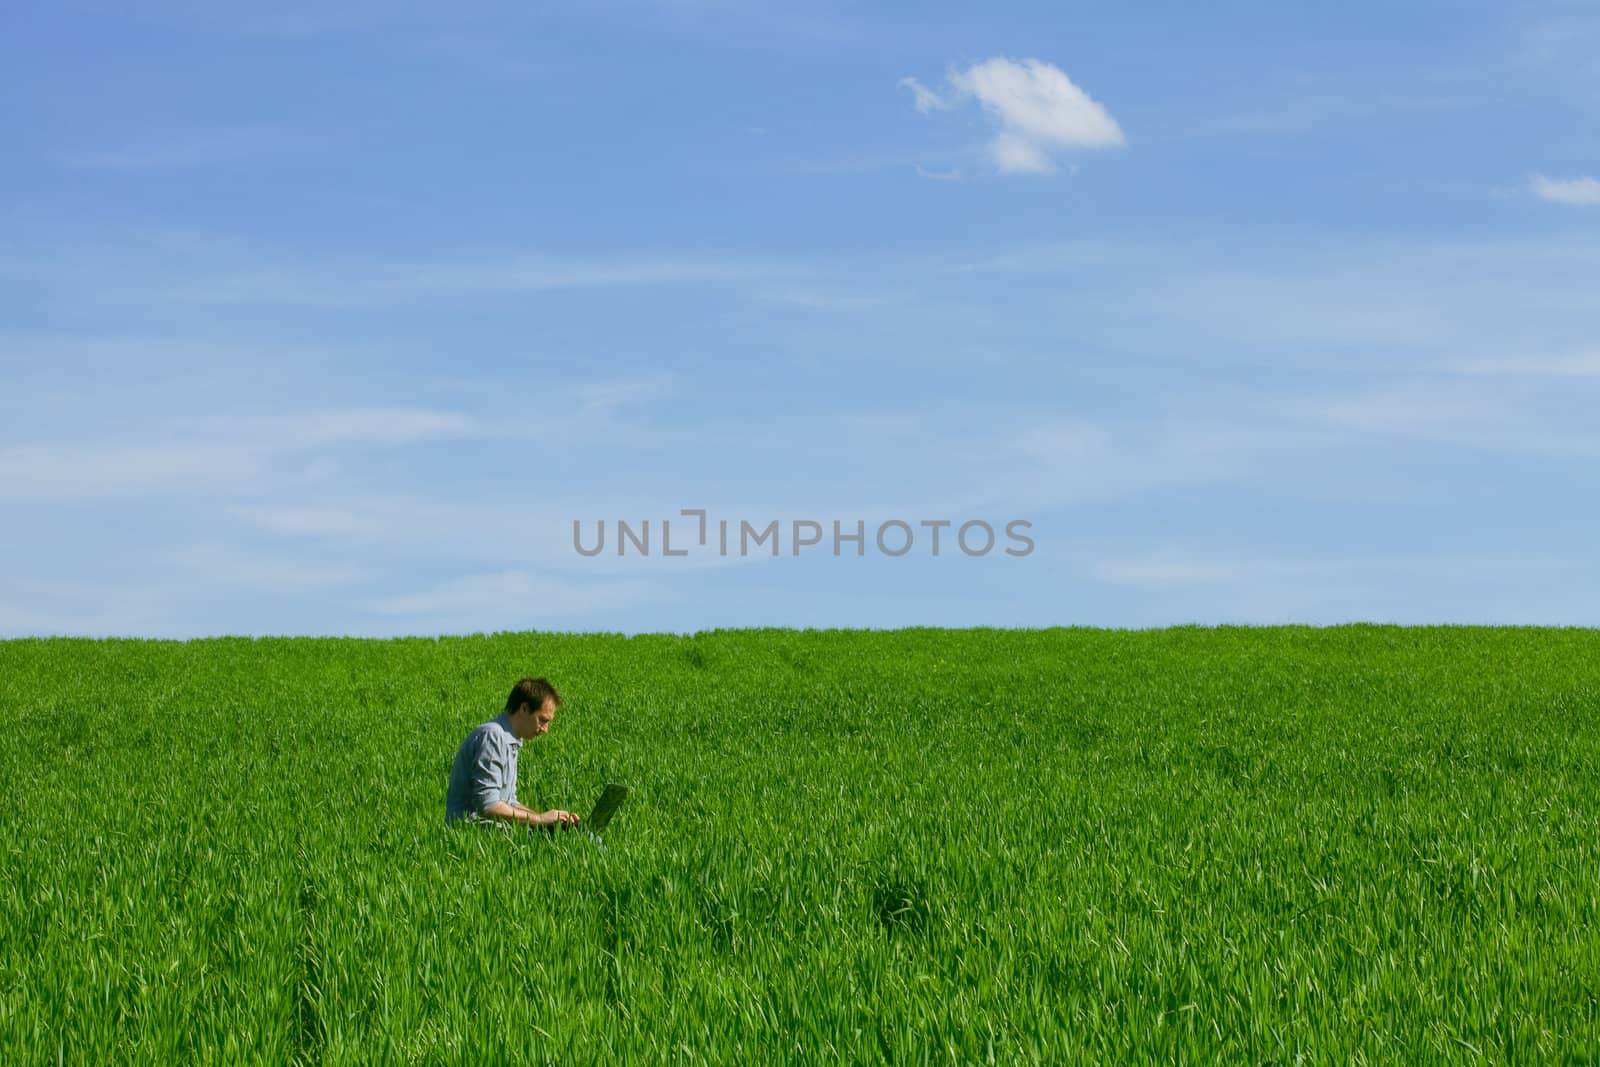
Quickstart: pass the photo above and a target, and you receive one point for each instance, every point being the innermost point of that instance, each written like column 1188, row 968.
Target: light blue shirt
column 484, row 771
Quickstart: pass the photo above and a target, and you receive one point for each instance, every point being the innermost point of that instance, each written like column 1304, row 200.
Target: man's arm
column 518, row 813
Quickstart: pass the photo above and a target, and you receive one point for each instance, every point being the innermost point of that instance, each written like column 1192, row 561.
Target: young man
column 483, row 779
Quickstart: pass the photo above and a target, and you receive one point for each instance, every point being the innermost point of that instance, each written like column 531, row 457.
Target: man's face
column 527, row 723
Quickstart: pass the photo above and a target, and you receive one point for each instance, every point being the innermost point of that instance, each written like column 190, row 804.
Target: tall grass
column 1358, row 844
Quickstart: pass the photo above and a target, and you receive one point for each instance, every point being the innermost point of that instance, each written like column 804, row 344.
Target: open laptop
column 611, row 799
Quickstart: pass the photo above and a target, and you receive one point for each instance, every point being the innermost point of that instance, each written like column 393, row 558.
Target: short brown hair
column 532, row 692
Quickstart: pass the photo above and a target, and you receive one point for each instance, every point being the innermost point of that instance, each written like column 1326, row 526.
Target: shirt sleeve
column 490, row 769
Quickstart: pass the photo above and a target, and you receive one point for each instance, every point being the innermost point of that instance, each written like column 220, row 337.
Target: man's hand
column 557, row 817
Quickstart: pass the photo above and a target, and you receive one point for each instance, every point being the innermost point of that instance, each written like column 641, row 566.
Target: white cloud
column 1575, row 365
column 225, row 569
column 1530, row 417
column 952, row 175
column 106, row 470
column 161, row 270
column 161, row 446
column 313, row 521
column 1163, row 572
column 1264, row 586
column 1581, row 191
column 1302, row 104
column 1440, row 306
column 608, row 397
column 189, row 454
column 1037, row 108
column 384, row 426
column 926, row 99
column 187, row 148
column 1566, row 42
column 1064, row 440
column 1018, row 155
column 511, row 600
column 816, row 299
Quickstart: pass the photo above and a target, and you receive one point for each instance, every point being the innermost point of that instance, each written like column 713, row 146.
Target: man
column 483, row 778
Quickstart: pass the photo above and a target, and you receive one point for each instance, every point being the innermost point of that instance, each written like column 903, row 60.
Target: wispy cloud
column 1303, row 104
column 1540, row 418
column 160, row 451
column 382, row 426
column 377, row 285
column 1036, row 108
column 850, row 162
column 479, row 506
column 1163, row 571
column 925, row 98
column 187, row 269
column 1334, row 586
column 190, row 452
column 189, row 148
column 231, row 566
column 1584, row 192
column 511, row 600
column 1445, row 305
column 69, row 471
column 1561, row 37
column 1573, row 365
column 314, row 521
column 818, row 299
column 1283, row 116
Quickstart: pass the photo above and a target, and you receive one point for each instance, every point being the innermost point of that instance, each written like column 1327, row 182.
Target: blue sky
column 332, row 318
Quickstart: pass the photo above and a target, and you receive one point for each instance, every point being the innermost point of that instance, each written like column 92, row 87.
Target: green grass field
column 1358, row 844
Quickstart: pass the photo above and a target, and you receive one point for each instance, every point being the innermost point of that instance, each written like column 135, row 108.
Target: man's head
column 531, row 707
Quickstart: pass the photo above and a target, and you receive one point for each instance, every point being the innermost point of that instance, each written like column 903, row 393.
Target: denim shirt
column 484, row 771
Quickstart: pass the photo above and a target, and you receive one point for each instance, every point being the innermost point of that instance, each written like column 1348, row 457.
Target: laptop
column 610, row 800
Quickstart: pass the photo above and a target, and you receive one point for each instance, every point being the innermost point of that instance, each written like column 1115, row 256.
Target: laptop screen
column 609, row 802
